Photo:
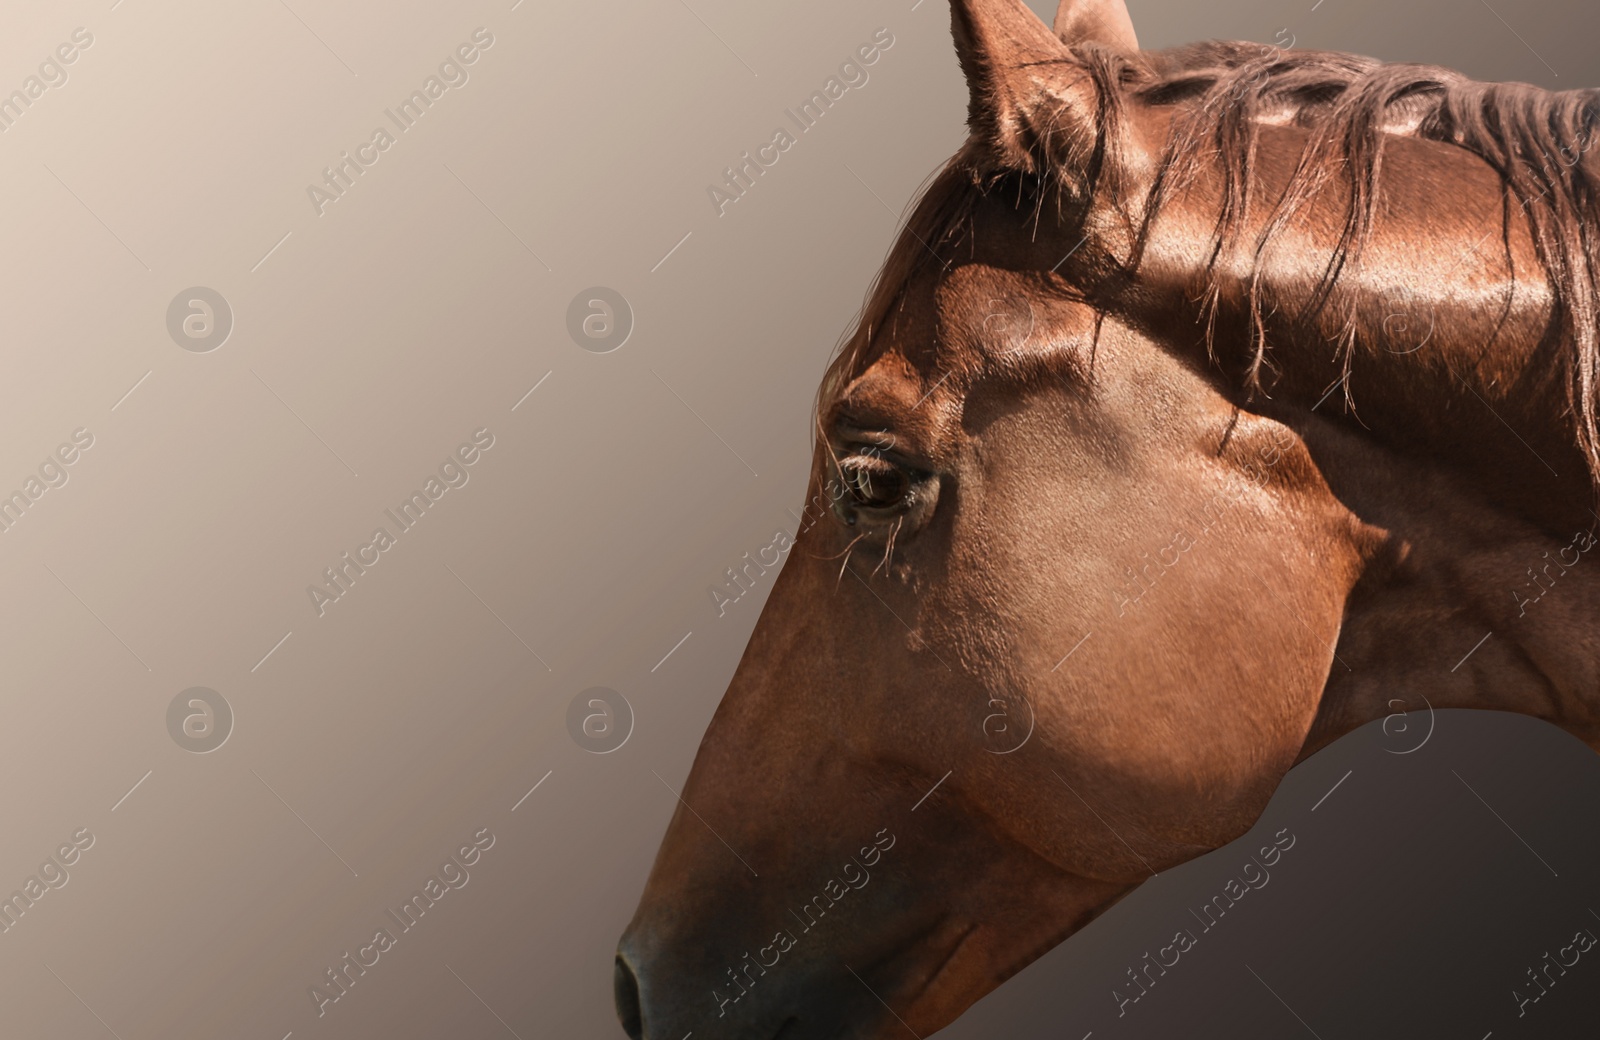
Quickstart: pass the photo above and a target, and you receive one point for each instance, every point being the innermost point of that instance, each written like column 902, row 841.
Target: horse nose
column 626, row 987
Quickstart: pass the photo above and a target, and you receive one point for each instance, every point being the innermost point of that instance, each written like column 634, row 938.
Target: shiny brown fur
column 1223, row 400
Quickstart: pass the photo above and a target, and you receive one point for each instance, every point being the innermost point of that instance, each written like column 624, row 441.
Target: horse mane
column 1537, row 141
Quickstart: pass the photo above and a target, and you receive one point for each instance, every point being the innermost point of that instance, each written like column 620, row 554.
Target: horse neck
column 1469, row 606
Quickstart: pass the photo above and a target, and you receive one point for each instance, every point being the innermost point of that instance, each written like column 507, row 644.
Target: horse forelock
column 938, row 221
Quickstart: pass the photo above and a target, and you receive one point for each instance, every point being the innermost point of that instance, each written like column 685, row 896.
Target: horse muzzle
column 765, row 997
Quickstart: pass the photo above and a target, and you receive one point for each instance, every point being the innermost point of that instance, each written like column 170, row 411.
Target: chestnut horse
column 1212, row 400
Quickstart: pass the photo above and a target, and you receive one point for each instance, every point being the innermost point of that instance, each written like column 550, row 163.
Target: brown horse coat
column 1212, row 401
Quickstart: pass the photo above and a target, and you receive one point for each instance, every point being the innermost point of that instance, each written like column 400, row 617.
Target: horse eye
column 873, row 484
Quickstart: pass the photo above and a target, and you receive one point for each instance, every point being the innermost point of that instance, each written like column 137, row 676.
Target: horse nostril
column 627, row 994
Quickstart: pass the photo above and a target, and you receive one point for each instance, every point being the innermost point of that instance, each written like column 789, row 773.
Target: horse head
column 1083, row 570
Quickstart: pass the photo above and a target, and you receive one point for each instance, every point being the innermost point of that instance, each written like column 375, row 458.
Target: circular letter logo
column 1397, row 726
column 599, row 320
column 199, row 719
column 199, row 319
column 600, row 720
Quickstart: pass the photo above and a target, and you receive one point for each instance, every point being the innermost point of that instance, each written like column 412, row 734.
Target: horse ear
column 1005, row 51
column 1096, row 21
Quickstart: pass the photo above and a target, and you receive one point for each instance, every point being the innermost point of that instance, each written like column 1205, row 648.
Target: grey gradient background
column 431, row 699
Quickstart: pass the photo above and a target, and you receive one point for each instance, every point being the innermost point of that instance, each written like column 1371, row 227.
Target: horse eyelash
column 888, row 547
column 846, row 555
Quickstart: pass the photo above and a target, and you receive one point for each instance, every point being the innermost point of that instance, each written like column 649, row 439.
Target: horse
column 1212, row 403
